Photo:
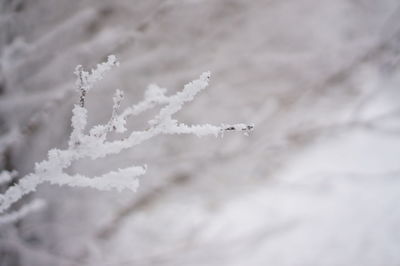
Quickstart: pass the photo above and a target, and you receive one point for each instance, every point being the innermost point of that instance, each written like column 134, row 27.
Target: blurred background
column 316, row 183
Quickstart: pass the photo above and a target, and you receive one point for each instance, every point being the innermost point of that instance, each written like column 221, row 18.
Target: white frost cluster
column 7, row 176
column 92, row 143
column 86, row 80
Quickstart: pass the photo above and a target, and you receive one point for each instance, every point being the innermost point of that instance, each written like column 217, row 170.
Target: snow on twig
column 92, row 143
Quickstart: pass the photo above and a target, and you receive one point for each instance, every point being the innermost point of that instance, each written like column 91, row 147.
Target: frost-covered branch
column 92, row 143
column 86, row 80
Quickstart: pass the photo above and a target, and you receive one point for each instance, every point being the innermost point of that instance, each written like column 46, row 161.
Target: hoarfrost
column 94, row 144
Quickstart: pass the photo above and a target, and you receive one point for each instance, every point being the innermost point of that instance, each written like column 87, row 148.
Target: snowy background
column 316, row 183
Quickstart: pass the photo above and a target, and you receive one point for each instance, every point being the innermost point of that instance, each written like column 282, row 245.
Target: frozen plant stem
column 92, row 143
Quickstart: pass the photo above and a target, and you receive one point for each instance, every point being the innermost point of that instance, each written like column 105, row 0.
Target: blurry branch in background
column 140, row 203
column 20, row 54
column 27, row 57
column 94, row 144
column 386, row 123
column 26, row 209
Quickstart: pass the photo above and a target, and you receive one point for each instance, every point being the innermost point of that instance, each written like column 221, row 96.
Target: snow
column 316, row 182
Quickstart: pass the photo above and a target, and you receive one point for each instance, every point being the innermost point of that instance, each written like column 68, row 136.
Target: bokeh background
column 316, row 183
